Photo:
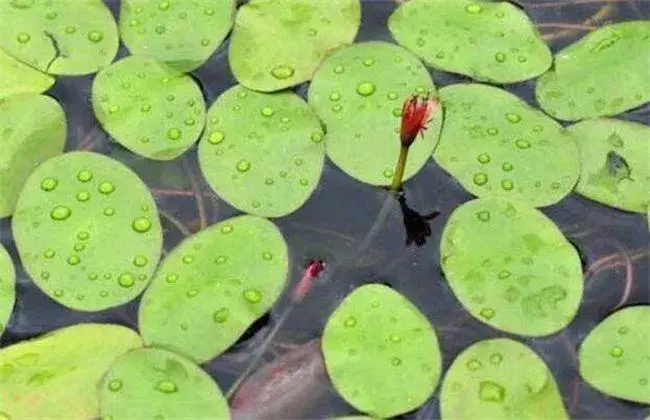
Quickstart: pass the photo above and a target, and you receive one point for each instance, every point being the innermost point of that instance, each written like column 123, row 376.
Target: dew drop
column 23, row 38
column 79, row 247
column 503, row 274
column 95, row 36
column 115, row 385
column 366, row 88
column 192, row 293
column 350, row 322
column 49, row 184
column 126, row 280
column 58, row 292
column 337, row 108
column 492, row 131
column 339, row 69
column 391, row 95
column 616, row 352
column 500, row 57
column 220, row 315
column 507, row 166
column 171, row 278
column 335, row 96
column 484, row 158
column 166, row 387
column 84, row 175
column 92, row 276
column 395, row 361
column 483, row 216
column 226, row 229
column 513, row 118
column 316, row 137
column 163, row 5
column 160, row 29
column 73, row 260
column 45, row 275
column 267, row 111
column 521, row 59
column 145, row 107
column 496, row 358
column 49, row 254
column 282, row 72
column 83, row 196
column 507, row 184
column 623, row 330
column 109, row 211
column 140, row 261
column 174, row 133
column 395, row 338
column 188, row 259
column 60, row 213
column 487, row 313
column 252, row 295
column 522, row 144
column 388, row 173
column 480, row 178
column 473, row 364
column 216, row 137
column 491, row 392
column 473, row 8
column 243, row 166
column 106, row 188
column 141, row 225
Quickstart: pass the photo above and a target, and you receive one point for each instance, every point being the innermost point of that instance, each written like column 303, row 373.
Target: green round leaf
column 213, row 286
column 87, row 231
column 181, row 33
column 358, row 93
column 381, row 352
column 497, row 145
column 7, row 289
column 57, row 374
column 580, row 83
column 614, row 162
column 277, row 44
column 148, row 107
column 271, row 167
column 59, row 36
column 32, row 130
column 486, row 40
column 615, row 356
column 154, row 383
column 510, row 267
column 18, row 77
column 500, row 379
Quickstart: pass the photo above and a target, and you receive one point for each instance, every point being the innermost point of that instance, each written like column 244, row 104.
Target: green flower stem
column 399, row 169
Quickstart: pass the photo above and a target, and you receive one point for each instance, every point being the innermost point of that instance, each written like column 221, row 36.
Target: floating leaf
column 181, row 33
column 271, row 167
column 56, row 375
column 32, row 129
column 614, row 162
column 510, row 267
column 148, row 107
column 18, row 77
column 280, row 43
column 87, row 231
column 358, row 93
column 580, row 83
column 500, row 379
column 615, row 356
column 497, row 145
column 152, row 383
column 7, row 290
column 213, row 286
column 59, row 36
column 381, row 353
column 486, row 40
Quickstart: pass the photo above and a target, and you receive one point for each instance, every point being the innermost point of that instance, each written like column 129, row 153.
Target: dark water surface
column 614, row 245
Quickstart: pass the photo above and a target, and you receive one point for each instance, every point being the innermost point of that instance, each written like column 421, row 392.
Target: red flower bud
column 415, row 115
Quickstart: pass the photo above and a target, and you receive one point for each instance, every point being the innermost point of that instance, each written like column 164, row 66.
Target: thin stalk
column 399, row 169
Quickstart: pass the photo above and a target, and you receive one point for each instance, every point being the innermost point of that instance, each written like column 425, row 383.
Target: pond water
column 614, row 245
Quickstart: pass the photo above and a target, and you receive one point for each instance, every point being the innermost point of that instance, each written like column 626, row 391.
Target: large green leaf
column 7, row 287
column 18, row 77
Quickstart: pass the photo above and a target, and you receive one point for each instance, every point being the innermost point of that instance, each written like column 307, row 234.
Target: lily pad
column 358, row 93
column 155, row 383
column 148, row 107
column 511, row 267
column 271, row 167
column 59, row 36
column 87, row 231
column 57, row 374
column 277, row 43
column 18, row 77
column 500, row 379
column 213, row 286
column 32, row 129
column 7, row 288
column 487, row 40
column 614, row 160
column 381, row 352
column 615, row 356
column 181, row 33
column 580, row 83
column 495, row 144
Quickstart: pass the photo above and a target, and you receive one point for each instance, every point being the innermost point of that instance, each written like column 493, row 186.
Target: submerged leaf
column 152, row 383
column 358, row 93
column 271, row 167
column 487, row 40
column 500, row 379
column 213, row 286
column 18, row 77
column 381, row 352
column 55, row 376
column 510, row 267
column 604, row 73
column 280, row 43
column 7, row 289
column 148, row 107
column 87, row 231
column 615, row 356
column 497, row 145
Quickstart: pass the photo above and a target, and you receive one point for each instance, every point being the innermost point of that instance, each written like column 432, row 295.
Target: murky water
column 613, row 244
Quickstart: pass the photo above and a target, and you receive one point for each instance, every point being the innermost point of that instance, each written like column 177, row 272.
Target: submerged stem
column 399, row 169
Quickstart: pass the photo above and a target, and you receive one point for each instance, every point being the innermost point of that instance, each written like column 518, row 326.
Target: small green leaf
column 358, row 93
column 615, row 356
column 57, row 374
column 32, row 130
column 278, row 44
column 59, row 36
column 497, row 145
column 181, row 33
column 18, row 77
column 500, row 379
column 7, row 290
column 511, row 267
column 614, row 159
column 487, row 40
column 148, row 107
column 581, row 83
column 270, row 167
column 87, row 231
column 213, row 286
column 152, row 383
column 381, row 352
